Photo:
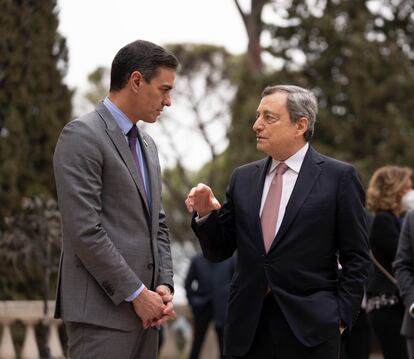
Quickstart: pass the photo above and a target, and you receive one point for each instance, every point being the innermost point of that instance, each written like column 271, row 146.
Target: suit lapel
column 309, row 173
column 121, row 145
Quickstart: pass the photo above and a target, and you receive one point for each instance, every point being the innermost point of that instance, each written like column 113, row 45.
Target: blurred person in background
column 404, row 270
column 387, row 187
column 407, row 202
column 207, row 288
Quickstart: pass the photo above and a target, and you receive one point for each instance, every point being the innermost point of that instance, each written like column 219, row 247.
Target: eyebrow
column 166, row 87
column 267, row 112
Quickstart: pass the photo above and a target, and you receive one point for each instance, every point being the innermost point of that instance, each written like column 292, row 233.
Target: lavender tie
column 271, row 206
column 132, row 141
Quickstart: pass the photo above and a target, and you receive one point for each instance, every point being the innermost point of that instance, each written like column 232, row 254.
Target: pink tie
column 271, row 206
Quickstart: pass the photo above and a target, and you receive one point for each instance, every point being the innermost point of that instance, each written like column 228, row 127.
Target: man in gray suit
column 116, row 279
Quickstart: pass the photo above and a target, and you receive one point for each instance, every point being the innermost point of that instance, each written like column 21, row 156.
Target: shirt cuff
column 201, row 220
column 412, row 310
column 135, row 294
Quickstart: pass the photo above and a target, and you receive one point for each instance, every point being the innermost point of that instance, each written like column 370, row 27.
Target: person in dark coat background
column 404, row 270
column 385, row 308
column 207, row 287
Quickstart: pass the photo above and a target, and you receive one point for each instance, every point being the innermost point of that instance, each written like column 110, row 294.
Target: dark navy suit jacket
column 324, row 216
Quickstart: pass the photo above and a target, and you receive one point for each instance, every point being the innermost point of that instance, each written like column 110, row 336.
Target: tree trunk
column 254, row 27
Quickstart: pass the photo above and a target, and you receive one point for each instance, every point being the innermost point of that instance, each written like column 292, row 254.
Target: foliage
column 349, row 56
column 203, row 94
column 34, row 103
column 98, row 85
column 29, row 251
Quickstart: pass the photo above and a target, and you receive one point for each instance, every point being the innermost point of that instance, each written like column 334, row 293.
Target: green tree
column 29, row 251
column 203, row 95
column 98, row 85
column 34, row 102
column 357, row 58
column 361, row 76
column 394, row 19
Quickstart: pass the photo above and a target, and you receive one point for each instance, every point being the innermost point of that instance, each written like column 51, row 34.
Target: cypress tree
column 34, row 102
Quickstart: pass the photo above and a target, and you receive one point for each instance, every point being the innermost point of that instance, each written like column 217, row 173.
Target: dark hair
column 300, row 103
column 142, row 56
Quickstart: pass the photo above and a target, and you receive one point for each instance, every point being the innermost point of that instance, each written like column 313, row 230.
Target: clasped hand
column 154, row 308
column 201, row 199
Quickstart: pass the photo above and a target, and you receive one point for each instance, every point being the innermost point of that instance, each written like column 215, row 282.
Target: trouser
column 87, row 341
column 386, row 322
column 275, row 340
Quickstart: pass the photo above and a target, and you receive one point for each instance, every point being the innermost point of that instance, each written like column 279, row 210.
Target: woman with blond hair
column 385, row 308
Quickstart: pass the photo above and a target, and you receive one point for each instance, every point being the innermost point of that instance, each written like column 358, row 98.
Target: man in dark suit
column 116, row 280
column 291, row 217
column 207, row 289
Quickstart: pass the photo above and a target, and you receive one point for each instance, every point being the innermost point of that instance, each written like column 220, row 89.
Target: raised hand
column 201, row 199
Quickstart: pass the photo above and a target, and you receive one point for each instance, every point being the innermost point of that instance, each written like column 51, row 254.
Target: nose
column 258, row 124
column 167, row 100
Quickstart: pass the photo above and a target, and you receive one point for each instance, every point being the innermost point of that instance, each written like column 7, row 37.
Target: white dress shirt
column 294, row 163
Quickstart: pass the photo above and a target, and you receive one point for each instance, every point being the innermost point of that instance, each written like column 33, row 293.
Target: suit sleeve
column 217, row 234
column 165, row 272
column 78, row 164
column 404, row 261
column 164, row 251
column 353, row 245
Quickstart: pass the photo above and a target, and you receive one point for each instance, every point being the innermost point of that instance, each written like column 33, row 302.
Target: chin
column 261, row 147
column 150, row 120
column 264, row 150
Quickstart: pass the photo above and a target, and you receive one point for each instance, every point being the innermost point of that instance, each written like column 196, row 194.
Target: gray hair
column 300, row 103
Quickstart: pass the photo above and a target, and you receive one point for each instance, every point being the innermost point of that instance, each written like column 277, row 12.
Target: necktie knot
column 133, row 132
column 281, row 168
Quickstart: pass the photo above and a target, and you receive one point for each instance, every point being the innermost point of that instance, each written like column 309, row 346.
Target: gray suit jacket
column 112, row 240
column 404, row 271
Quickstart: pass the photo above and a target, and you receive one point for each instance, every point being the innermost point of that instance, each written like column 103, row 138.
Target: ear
column 135, row 80
column 302, row 126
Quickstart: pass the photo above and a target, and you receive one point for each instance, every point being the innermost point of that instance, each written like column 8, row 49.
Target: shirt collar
column 294, row 162
column 122, row 120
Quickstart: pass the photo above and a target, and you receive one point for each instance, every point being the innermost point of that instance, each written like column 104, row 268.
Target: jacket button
column 108, row 288
column 150, row 265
